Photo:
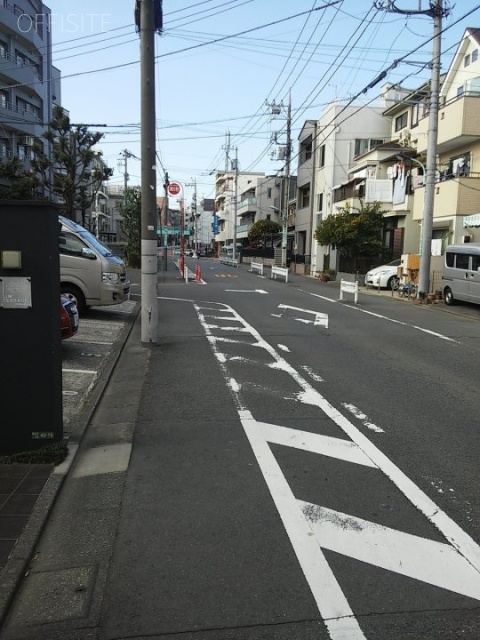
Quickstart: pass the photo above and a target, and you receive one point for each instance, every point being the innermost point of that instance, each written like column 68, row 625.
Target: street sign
column 174, row 188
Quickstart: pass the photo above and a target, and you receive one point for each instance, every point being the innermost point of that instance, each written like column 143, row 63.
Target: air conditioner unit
column 466, row 239
column 28, row 141
column 404, row 138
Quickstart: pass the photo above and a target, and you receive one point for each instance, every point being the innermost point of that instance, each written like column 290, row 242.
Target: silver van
column 461, row 273
column 89, row 272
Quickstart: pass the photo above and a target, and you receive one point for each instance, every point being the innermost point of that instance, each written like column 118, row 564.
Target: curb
column 17, row 564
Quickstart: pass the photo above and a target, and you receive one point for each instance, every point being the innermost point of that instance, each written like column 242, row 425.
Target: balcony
column 20, row 73
column 457, row 197
column 31, row 26
column 458, row 124
column 248, row 205
column 243, row 229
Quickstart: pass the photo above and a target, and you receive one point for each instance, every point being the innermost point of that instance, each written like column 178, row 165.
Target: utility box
column 409, row 267
column 30, row 335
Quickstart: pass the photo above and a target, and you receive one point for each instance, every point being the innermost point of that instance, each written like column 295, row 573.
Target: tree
column 356, row 232
column 22, row 184
column 70, row 172
column 260, row 230
column 131, row 226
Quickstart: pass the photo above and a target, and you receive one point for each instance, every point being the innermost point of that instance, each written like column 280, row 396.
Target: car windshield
column 94, row 242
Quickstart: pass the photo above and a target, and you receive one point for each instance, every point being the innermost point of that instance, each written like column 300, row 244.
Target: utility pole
column 276, row 110
column 235, row 206
column 194, row 212
column 149, row 20
column 126, row 154
column 165, row 221
column 437, row 11
column 288, row 155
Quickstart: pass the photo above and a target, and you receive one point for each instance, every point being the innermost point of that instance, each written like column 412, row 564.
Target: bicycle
column 407, row 290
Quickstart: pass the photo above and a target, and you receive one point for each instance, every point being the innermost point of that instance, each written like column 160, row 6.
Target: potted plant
column 326, row 274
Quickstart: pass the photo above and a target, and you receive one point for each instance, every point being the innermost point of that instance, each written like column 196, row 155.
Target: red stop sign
column 173, row 188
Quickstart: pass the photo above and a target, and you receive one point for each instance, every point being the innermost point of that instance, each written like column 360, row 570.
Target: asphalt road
column 299, row 467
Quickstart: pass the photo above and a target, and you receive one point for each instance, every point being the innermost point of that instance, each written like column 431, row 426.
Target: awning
column 471, row 221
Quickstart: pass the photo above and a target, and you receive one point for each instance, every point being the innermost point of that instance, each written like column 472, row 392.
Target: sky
column 222, row 64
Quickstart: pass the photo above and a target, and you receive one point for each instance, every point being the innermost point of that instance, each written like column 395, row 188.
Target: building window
column 362, row 145
column 269, row 216
column 466, row 60
column 304, row 197
column 305, row 150
column 321, row 156
column 460, row 91
column 319, row 201
column 3, row 99
column 474, row 55
column 401, row 121
column 269, row 192
column 419, row 110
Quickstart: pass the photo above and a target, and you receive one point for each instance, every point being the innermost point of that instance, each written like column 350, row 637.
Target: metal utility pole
column 437, row 11
column 149, row 20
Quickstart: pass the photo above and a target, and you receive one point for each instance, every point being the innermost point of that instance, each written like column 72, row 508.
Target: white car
column 384, row 276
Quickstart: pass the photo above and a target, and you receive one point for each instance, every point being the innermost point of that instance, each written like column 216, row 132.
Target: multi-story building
column 392, row 171
column 29, row 83
column 456, row 212
column 327, row 150
column 234, row 202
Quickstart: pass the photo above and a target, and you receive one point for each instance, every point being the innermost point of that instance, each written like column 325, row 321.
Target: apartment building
column 234, row 203
column 29, row 83
column 327, row 151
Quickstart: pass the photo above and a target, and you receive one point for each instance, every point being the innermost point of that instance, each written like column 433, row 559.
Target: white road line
column 321, row 319
column 314, row 442
column 362, row 417
column 282, row 347
column 429, row 561
column 311, row 373
column 330, row 599
column 382, row 317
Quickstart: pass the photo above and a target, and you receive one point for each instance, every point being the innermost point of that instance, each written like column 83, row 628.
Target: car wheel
column 393, row 283
column 74, row 293
column 448, row 295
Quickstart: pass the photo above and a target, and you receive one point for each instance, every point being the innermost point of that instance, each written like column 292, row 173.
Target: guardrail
column 233, row 262
column 349, row 287
column 279, row 271
column 257, row 267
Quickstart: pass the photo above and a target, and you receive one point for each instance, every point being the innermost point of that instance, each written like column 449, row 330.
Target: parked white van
column 461, row 273
column 89, row 272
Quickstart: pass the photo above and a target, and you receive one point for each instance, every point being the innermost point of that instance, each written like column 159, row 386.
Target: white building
column 340, row 135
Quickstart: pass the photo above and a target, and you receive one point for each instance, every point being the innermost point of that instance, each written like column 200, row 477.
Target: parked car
column 69, row 318
column 384, row 276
